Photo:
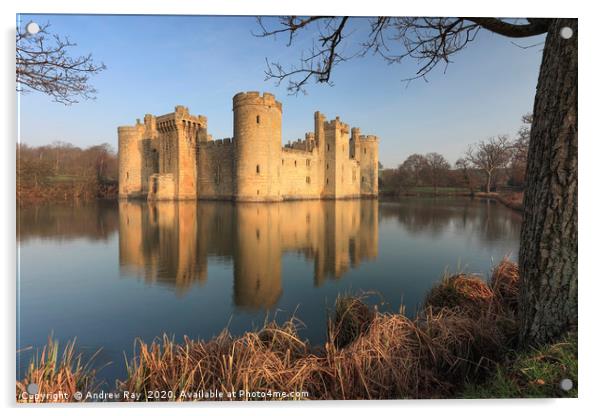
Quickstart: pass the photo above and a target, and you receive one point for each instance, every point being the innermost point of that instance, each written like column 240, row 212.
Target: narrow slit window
column 258, row 119
column 257, row 169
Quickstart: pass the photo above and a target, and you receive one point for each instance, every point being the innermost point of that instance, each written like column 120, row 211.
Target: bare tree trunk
column 488, row 186
column 548, row 244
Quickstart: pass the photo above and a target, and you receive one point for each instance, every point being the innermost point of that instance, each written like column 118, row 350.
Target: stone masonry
column 171, row 157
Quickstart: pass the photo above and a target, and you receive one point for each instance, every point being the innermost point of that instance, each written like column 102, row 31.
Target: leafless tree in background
column 412, row 169
column 520, row 150
column 548, row 249
column 45, row 65
column 489, row 156
column 436, row 168
column 465, row 167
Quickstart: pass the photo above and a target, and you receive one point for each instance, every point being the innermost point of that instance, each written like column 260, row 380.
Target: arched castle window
column 364, row 150
column 257, row 169
column 295, row 163
column 127, row 175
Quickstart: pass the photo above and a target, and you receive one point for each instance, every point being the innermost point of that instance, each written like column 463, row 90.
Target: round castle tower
column 258, row 142
column 130, row 160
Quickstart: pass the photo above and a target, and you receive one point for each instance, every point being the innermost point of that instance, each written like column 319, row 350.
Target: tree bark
column 548, row 243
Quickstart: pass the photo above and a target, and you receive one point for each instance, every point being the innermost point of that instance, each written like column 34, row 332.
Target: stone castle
column 171, row 157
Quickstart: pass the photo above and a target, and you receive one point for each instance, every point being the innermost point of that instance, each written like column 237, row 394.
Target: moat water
column 108, row 273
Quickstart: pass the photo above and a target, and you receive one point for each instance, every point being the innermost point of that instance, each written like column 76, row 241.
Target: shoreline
column 465, row 332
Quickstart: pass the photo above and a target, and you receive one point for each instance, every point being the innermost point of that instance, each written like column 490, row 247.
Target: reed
column 57, row 378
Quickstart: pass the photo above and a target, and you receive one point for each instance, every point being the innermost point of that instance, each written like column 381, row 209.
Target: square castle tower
column 171, row 157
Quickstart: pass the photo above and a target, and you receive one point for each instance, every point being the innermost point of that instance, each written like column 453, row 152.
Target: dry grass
column 54, row 375
column 469, row 293
column 505, row 281
column 351, row 318
column 274, row 358
column 494, row 303
column 459, row 336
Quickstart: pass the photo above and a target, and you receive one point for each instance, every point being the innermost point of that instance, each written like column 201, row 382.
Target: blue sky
column 156, row 62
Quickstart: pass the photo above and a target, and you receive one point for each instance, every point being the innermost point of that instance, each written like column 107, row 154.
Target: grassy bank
column 513, row 200
column 534, row 373
column 460, row 343
column 425, row 191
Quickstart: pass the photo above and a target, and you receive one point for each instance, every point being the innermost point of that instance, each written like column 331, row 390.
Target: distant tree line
column 62, row 171
column 484, row 167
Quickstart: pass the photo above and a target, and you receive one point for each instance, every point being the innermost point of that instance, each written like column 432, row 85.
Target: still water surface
column 107, row 273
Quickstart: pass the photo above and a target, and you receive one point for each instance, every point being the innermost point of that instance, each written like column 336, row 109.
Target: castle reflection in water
column 172, row 242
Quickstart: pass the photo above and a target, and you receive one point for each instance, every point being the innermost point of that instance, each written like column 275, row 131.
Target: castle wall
column 216, row 165
column 299, row 174
column 162, row 186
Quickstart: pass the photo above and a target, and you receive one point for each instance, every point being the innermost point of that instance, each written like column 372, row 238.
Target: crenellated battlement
column 179, row 119
column 136, row 129
column 369, row 138
column 296, row 150
column 254, row 98
column 336, row 124
column 219, row 142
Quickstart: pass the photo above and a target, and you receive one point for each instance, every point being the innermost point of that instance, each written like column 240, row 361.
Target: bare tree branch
column 44, row 65
column 429, row 40
column 511, row 30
